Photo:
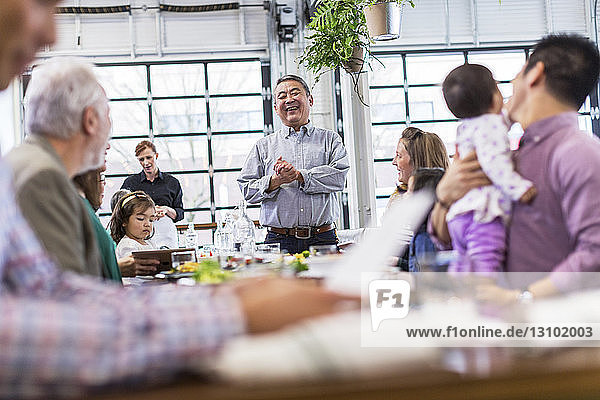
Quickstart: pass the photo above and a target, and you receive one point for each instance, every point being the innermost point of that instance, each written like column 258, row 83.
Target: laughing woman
column 416, row 149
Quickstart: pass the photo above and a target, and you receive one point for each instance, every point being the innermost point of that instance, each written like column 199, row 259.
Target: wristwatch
column 525, row 297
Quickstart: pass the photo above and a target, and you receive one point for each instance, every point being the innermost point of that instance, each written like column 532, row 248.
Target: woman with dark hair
column 91, row 188
column 165, row 191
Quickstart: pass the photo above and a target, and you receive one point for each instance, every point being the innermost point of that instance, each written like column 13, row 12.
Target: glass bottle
column 191, row 237
column 222, row 237
column 244, row 232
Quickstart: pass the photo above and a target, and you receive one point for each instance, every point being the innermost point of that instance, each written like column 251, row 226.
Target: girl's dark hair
column 116, row 198
column 427, row 178
column 469, row 90
column 125, row 208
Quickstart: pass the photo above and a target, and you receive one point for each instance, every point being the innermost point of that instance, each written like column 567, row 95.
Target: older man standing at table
column 560, row 230
column 295, row 173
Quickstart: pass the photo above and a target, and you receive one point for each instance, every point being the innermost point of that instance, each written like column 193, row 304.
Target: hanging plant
column 339, row 37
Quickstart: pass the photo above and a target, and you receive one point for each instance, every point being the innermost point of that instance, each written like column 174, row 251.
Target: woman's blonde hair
column 426, row 149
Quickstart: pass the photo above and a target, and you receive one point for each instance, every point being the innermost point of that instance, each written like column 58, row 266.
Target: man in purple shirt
column 560, row 230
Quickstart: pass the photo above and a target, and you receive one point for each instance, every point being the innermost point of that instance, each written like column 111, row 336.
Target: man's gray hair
column 57, row 95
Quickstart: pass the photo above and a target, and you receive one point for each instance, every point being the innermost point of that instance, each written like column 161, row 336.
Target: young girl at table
column 477, row 222
column 131, row 223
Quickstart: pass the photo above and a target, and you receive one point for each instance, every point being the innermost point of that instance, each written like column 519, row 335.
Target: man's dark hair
column 296, row 78
column 469, row 90
column 571, row 64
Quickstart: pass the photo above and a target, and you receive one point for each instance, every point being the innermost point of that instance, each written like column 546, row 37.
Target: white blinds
column 430, row 23
column 144, row 33
column 489, row 22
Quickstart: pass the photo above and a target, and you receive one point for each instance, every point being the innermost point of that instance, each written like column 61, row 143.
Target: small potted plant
column 339, row 35
column 384, row 18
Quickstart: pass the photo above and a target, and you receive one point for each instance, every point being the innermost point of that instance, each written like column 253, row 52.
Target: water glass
column 322, row 250
column 267, row 252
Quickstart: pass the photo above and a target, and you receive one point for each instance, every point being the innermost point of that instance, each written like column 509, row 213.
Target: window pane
column 236, row 114
column 227, row 191
column 586, row 105
column 177, row 80
column 182, row 153
column 205, row 236
column 198, row 217
column 390, row 73
column 120, row 158
column 386, row 178
column 387, row 105
column 230, row 151
column 196, row 191
column 235, row 77
column 385, row 139
column 123, row 81
column 179, row 116
column 585, row 124
column 104, row 220
column 112, row 185
column 422, row 69
column 129, row 118
column 505, row 66
column 426, row 103
column 445, row 130
column 506, row 89
column 514, row 135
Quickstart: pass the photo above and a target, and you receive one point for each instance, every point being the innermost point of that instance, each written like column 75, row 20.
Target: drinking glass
column 322, row 250
column 267, row 252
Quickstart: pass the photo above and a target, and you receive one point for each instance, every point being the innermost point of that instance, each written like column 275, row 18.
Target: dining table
column 485, row 373
column 566, row 373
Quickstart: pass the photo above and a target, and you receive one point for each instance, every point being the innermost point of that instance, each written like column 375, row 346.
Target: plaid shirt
column 62, row 334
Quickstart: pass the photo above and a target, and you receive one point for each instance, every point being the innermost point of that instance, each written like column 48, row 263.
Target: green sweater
column 110, row 268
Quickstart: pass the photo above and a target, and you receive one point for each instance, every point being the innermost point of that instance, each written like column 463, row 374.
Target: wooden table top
column 556, row 374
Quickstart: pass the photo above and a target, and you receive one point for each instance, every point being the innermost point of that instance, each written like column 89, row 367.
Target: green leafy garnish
column 209, row 271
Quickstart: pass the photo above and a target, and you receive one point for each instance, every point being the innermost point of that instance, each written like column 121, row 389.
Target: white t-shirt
column 127, row 246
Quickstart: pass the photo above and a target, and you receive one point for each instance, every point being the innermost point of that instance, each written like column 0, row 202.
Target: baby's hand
column 529, row 195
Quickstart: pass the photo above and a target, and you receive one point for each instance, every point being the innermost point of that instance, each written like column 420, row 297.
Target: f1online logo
column 388, row 299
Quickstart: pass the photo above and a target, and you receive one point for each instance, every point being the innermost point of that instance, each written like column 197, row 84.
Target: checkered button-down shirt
column 62, row 334
column 319, row 155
